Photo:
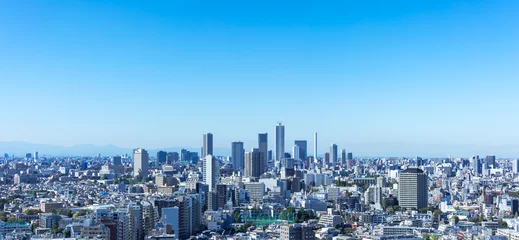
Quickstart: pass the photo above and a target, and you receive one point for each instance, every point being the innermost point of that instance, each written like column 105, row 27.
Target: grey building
column 412, row 189
column 237, row 155
column 263, row 148
column 253, row 164
column 207, row 148
column 140, row 163
column 296, row 232
column 333, row 154
column 303, row 148
column 280, row 141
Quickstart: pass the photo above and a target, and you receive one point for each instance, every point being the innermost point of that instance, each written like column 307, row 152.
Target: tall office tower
column 269, row 155
column 296, row 232
column 253, row 167
column 333, row 154
column 36, row 156
column 515, row 165
column 211, row 171
column 490, row 161
column 326, row 158
column 263, row 148
column 207, row 149
column 136, row 230
column 280, row 141
column 343, row 156
column 189, row 214
column 140, row 163
column 161, row 157
column 172, row 157
column 302, row 144
column 238, row 155
column 476, row 165
column 295, row 152
column 28, row 156
column 315, row 147
column 413, row 189
column 116, row 160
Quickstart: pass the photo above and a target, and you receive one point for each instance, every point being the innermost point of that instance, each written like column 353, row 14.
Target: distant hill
column 21, row 148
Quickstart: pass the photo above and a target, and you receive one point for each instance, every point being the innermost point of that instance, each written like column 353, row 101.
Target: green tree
column 456, row 219
column 503, row 224
column 426, row 237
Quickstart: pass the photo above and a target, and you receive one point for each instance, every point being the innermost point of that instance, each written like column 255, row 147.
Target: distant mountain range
column 21, row 148
column 374, row 149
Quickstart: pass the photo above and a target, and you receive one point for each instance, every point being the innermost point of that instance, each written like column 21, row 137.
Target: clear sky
column 158, row 74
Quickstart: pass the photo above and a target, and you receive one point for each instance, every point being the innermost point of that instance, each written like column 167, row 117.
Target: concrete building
column 237, row 156
column 303, row 149
column 211, row 171
column 296, row 232
column 49, row 206
column 256, row 190
column 263, row 148
column 413, row 189
column 207, row 148
column 280, row 142
column 333, row 154
column 140, row 163
column 253, row 164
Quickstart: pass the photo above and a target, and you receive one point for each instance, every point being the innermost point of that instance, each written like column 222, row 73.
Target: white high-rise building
column 140, row 163
column 211, row 172
column 280, row 141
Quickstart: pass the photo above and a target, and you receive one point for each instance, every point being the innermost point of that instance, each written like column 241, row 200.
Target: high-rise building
column 207, row 149
column 302, row 144
column 515, row 207
column 116, row 160
column 295, row 152
column 476, row 165
column 296, row 232
column 280, row 141
column 211, row 171
column 263, row 148
column 140, row 163
column 170, row 216
column 238, row 155
column 222, row 195
column 161, row 157
column 315, row 146
column 373, row 195
column 350, row 156
column 490, row 161
column 172, row 157
column 269, row 155
column 333, row 154
column 136, row 230
column 412, row 189
column 36, row 157
column 326, row 158
column 515, row 165
column 343, row 156
column 253, row 164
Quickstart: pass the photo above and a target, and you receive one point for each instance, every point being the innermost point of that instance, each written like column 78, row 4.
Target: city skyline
column 439, row 73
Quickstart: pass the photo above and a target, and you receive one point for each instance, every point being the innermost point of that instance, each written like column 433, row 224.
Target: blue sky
column 160, row 74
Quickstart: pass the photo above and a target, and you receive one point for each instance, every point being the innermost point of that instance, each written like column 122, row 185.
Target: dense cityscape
column 276, row 190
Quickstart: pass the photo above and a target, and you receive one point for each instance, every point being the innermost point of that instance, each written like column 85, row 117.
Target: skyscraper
column 211, row 171
column 333, row 154
column 302, row 144
column 515, row 166
column 140, row 163
column 36, row 156
column 116, row 160
column 490, row 160
column 295, row 152
column 315, row 146
column 343, row 156
column 476, row 165
column 172, row 157
column 238, row 155
column 263, row 148
column 207, row 149
column 253, row 167
column 161, row 157
column 413, row 189
column 280, row 141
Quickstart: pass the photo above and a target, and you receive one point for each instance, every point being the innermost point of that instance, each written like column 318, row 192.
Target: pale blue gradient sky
column 160, row 74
